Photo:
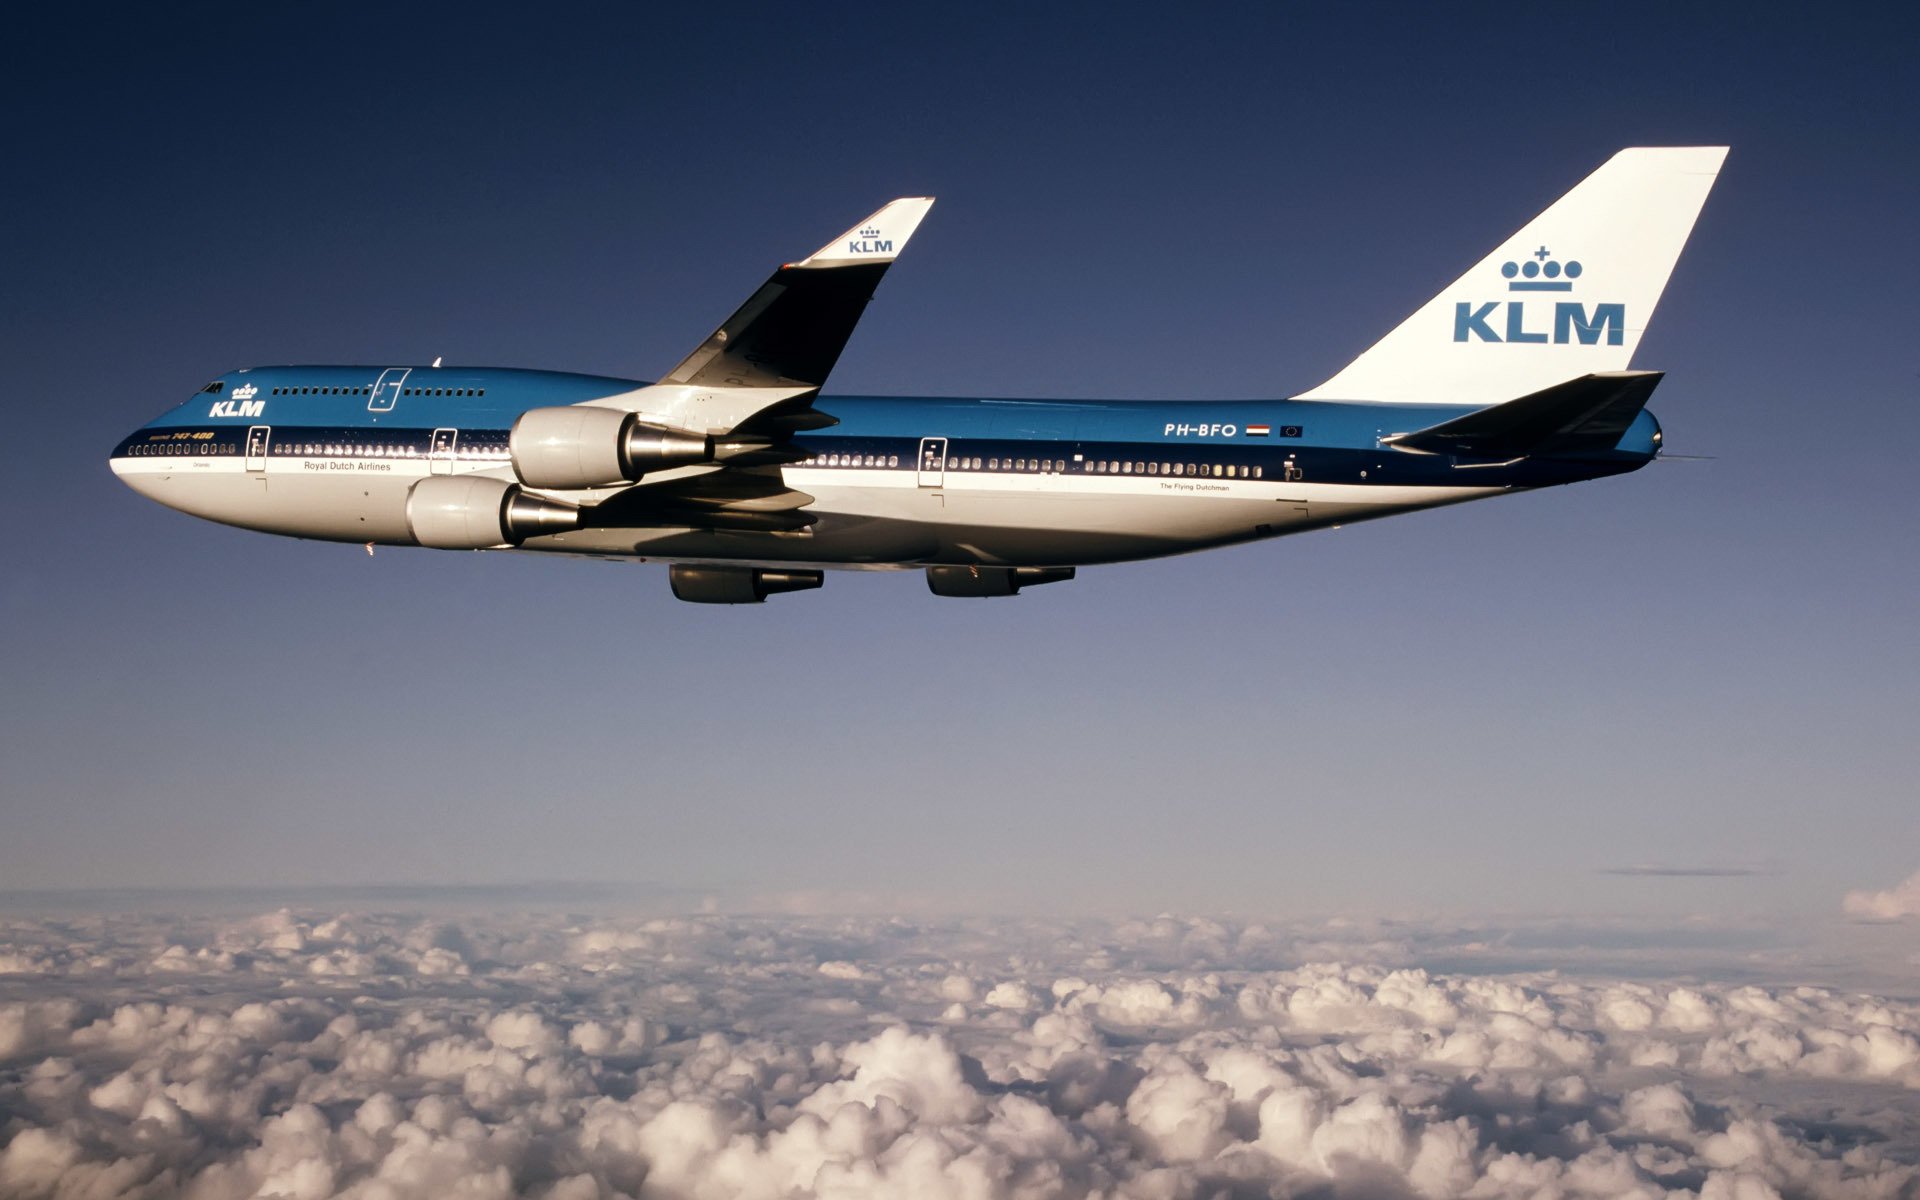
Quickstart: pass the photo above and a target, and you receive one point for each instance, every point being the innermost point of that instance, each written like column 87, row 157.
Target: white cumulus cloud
column 1894, row 904
column 383, row 1057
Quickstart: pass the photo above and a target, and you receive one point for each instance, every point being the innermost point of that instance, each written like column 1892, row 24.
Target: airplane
column 737, row 472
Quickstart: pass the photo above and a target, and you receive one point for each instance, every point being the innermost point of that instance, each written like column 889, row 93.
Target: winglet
column 790, row 332
column 879, row 238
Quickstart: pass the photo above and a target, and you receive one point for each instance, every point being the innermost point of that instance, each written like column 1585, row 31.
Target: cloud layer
column 1894, row 904
column 381, row 1057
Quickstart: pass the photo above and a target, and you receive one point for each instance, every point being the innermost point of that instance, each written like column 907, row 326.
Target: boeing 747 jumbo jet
column 734, row 469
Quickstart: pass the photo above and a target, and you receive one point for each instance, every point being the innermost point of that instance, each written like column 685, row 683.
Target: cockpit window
column 215, row 386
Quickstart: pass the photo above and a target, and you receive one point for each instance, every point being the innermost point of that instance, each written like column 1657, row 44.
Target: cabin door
column 440, row 451
column 933, row 462
column 257, row 438
column 386, row 392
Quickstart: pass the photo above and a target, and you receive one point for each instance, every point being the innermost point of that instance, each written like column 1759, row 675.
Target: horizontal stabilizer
column 1581, row 416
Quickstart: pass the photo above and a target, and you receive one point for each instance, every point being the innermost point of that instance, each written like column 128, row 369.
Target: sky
column 1571, row 702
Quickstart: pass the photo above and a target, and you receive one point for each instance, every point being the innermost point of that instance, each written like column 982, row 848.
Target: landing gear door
column 386, row 392
column 933, row 462
column 440, row 451
column 257, row 438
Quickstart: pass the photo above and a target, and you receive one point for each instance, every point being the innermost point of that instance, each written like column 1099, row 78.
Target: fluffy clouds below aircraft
column 377, row 1057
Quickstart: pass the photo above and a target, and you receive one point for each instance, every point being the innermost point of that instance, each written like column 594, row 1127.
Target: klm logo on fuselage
column 870, row 242
column 1571, row 322
column 243, row 404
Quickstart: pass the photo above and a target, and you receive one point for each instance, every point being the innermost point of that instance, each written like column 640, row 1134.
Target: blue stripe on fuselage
column 1332, row 441
column 337, row 396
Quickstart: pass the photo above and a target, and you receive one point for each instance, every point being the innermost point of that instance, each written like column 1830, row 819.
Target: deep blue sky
column 1705, row 664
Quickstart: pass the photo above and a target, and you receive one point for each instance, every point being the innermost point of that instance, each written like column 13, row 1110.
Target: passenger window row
column 1204, row 470
column 969, row 462
column 181, row 449
column 466, row 452
column 852, row 460
column 476, row 450
column 974, row 462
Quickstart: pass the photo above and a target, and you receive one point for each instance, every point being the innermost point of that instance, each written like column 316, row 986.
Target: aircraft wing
column 776, row 350
column 750, row 385
column 790, row 332
column 752, row 500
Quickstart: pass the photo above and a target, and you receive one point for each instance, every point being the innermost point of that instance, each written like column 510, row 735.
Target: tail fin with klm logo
column 1568, row 295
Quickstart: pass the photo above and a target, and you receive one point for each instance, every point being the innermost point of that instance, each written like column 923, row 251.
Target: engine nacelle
column 991, row 581
column 580, row 446
column 736, row 585
column 473, row 512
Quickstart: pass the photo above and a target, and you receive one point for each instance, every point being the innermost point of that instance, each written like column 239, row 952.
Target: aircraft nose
column 124, row 462
column 191, row 466
column 122, row 454
column 141, row 462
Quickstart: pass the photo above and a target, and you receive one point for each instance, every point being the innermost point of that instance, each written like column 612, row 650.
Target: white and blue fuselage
column 736, row 468
column 319, row 452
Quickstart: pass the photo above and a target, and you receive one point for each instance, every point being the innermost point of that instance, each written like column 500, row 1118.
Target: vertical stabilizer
column 1568, row 295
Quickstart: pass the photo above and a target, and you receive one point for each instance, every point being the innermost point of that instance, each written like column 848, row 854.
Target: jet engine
column 473, row 512
column 736, row 585
column 580, row 446
column 991, row 581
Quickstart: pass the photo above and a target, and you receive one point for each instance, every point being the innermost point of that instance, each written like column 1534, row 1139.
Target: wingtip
column 878, row 238
column 1714, row 153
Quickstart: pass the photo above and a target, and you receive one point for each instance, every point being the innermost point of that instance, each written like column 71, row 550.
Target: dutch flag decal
column 1257, row 430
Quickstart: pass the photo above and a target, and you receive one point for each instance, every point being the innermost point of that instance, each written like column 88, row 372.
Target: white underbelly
column 864, row 517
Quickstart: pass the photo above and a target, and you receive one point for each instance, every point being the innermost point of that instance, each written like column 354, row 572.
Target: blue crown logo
column 1541, row 273
column 870, row 233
